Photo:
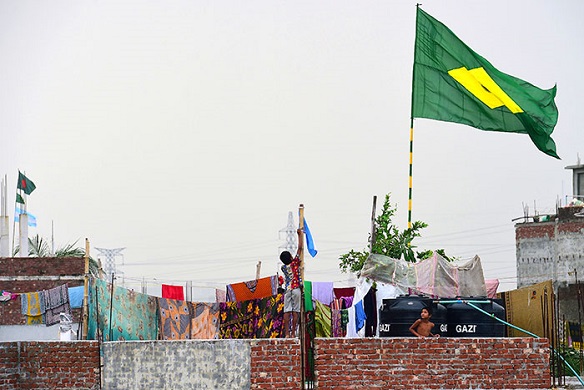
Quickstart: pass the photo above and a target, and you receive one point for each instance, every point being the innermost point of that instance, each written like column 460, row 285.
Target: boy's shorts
column 292, row 300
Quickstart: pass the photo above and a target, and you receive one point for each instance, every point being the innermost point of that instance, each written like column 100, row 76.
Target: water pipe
column 471, row 303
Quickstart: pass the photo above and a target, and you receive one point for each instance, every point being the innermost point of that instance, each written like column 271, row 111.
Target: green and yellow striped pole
column 411, row 164
column 412, row 133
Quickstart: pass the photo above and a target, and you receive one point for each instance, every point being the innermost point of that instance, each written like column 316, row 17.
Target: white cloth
column 386, row 291
column 361, row 289
column 352, row 325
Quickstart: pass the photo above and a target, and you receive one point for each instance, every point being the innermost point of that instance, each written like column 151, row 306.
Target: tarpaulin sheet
column 434, row 276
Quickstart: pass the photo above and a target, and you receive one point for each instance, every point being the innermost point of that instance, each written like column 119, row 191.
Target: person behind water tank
column 292, row 296
column 423, row 327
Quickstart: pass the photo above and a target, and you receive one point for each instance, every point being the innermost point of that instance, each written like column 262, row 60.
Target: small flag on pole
column 309, row 240
column 25, row 184
column 19, row 199
column 31, row 218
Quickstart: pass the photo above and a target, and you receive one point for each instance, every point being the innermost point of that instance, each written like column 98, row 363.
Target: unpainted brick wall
column 386, row 363
column 49, row 365
column 275, row 364
column 547, row 229
column 433, row 363
column 10, row 312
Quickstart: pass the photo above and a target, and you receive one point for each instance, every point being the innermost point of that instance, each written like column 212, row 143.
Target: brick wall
column 275, row 364
column 546, row 229
column 49, row 365
column 30, row 274
column 384, row 363
column 39, row 266
column 441, row 363
column 8, row 365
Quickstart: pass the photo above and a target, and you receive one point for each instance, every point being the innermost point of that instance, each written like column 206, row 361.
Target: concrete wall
column 33, row 332
column 547, row 250
column 552, row 251
column 215, row 364
column 371, row 363
column 202, row 364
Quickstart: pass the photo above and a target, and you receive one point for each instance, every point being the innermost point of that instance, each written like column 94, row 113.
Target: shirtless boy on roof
column 423, row 327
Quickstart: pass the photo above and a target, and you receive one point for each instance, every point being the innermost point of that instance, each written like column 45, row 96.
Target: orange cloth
column 254, row 289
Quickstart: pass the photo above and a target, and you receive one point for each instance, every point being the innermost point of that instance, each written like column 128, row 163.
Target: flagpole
column 410, row 176
column 412, row 131
column 4, row 220
column 14, row 219
column 302, row 308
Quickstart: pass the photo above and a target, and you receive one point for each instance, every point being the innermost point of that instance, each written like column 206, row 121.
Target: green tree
column 39, row 247
column 389, row 241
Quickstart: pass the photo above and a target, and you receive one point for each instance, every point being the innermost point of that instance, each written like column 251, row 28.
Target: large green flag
column 452, row 83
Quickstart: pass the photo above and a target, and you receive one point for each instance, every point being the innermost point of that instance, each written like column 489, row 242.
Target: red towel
column 173, row 292
column 341, row 292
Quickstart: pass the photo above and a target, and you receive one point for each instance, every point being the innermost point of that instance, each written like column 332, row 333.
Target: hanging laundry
column 76, row 297
column 173, row 292
column 308, row 296
column 323, row 292
column 256, row 318
column 309, row 335
column 492, row 285
column 322, row 318
column 205, row 320
column 175, row 319
column 370, row 307
column 360, row 316
column 56, row 302
column 341, row 292
column 253, row 289
column 351, row 323
column 133, row 315
column 7, row 296
column 32, row 307
column 344, row 320
column 337, row 325
column 220, row 295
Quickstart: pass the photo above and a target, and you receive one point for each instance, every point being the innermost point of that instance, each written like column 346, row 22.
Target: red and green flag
column 25, row 184
column 452, row 83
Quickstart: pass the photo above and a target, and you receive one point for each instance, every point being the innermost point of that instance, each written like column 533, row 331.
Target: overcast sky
column 185, row 131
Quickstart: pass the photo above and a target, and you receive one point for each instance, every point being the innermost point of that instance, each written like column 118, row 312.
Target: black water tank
column 397, row 315
column 466, row 321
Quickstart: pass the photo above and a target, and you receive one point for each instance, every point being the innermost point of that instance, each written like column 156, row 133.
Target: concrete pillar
column 23, row 237
column 5, row 236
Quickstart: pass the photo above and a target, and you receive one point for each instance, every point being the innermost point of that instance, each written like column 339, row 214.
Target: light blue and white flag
column 31, row 218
